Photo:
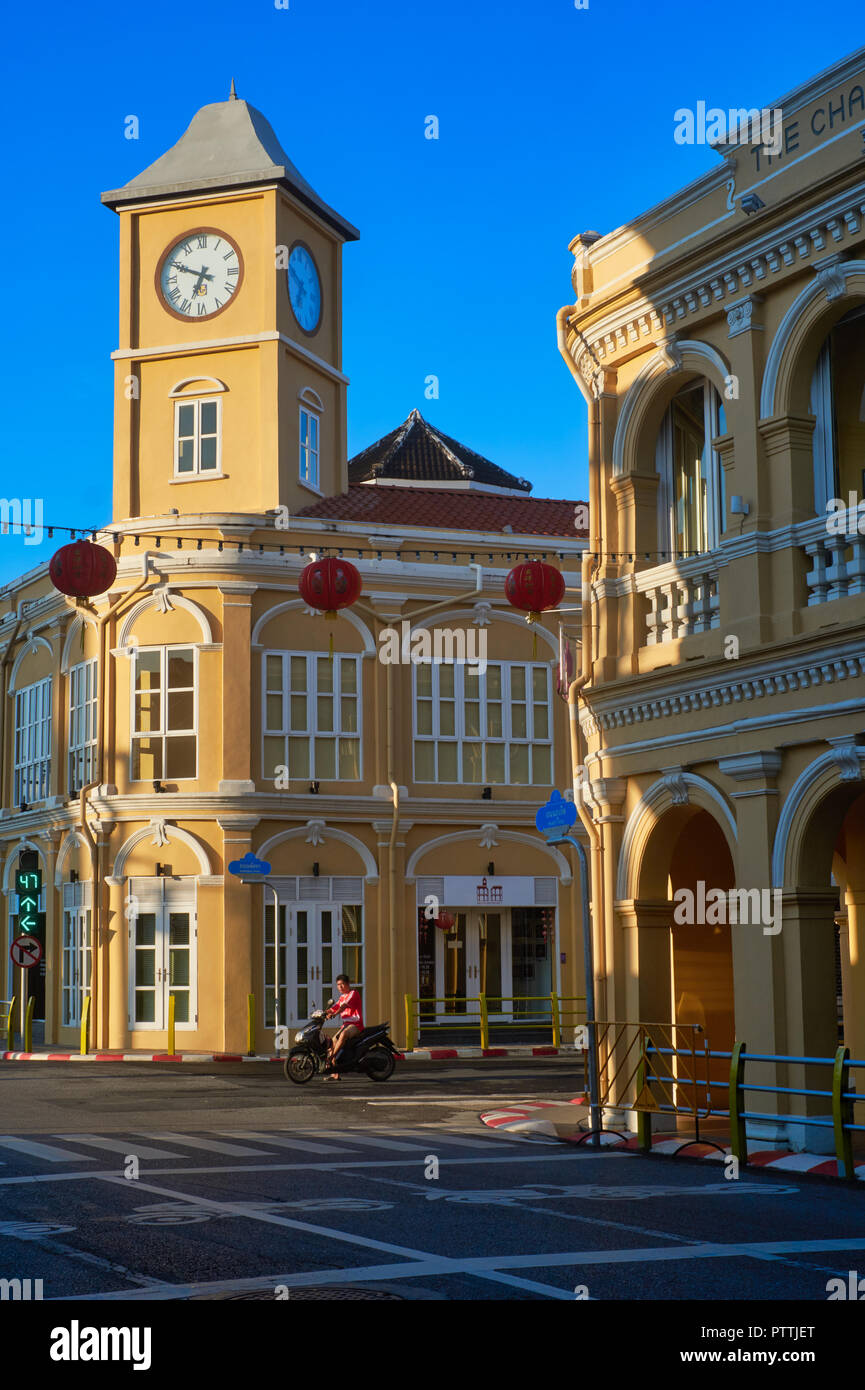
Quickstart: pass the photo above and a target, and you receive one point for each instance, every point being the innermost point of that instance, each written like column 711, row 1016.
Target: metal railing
column 7, row 1020
column 841, row 1096
column 554, row 1011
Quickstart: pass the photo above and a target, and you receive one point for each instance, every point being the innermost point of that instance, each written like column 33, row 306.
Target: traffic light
column 28, row 886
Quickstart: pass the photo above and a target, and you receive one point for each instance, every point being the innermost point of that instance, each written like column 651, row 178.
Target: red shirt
column 349, row 1008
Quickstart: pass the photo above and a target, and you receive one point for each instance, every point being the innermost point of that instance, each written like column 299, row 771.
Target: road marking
column 460, row 1141
column 338, row 1165
column 216, row 1146
column 366, row 1139
column 285, row 1141
column 120, row 1146
column 48, row 1152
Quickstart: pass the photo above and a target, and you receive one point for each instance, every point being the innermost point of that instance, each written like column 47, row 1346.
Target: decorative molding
column 661, row 796
column 315, row 832
column 846, row 757
column 830, row 276
column 31, row 645
column 740, row 315
column 363, row 852
column 489, row 830
column 804, row 798
column 295, row 605
column 673, row 778
column 814, row 290
column 468, row 833
column 746, row 767
column 163, row 599
column 670, row 355
column 823, row 671
column 163, row 833
column 74, row 631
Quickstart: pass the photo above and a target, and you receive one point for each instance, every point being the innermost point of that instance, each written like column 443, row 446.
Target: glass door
column 162, row 932
column 318, row 941
column 472, row 959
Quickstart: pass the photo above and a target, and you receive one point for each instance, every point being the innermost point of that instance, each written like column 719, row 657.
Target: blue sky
column 553, row 120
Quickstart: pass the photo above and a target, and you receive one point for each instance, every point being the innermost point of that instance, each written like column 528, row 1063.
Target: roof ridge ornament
column 232, row 95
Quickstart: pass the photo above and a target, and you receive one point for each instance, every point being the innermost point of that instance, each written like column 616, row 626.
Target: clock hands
column 202, row 274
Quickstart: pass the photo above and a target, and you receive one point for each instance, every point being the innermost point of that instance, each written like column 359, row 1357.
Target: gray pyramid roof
column 226, row 145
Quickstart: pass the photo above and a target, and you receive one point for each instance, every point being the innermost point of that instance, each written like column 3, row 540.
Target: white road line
column 48, row 1152
column 365, row 1140
column 216, row 1146
column 459, row 1141
column 120, row 1146
column 286, row 1141
column 338, row 1165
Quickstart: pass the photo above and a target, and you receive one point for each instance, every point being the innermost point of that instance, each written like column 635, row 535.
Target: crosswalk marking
column 48, row 1152
column 285, row 1141
column 383, row 1143
column 442, row 1136
column 216, row 1146
column 120, row 1146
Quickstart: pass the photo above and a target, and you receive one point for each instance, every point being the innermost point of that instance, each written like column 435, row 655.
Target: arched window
column 692, row 500
column 838, row 402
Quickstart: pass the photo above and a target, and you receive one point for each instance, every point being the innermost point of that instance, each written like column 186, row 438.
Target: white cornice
column 719, row 280
column 140, row 354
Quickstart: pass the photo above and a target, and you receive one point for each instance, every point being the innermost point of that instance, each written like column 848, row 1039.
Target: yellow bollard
column 250, row 1025
column 485, row 1022
column 409, row 1025
column 10, row 1025
column 28, row 1024
column 171, row 1008
column 557, row 1028
column 85, row 1019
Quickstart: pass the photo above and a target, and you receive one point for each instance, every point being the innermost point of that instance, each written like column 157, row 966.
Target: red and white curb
column 434, row 1054
column 524, row 1119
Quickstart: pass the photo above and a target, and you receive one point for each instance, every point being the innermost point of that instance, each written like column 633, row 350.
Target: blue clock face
column 304, row 288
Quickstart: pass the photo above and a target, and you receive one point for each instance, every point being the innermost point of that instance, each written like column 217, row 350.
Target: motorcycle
column 371, row 1052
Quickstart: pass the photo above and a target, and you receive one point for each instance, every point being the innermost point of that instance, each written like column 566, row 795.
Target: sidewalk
column 546, row 1120
column 422, row 1054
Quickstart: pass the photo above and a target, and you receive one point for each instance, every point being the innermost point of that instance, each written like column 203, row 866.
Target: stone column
column 237, row 755
column 853, row 972
column 647, row 960
column 810, row 1016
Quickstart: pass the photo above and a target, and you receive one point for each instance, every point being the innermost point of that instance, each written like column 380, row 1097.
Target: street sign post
column 553, row 820
column 249, row 870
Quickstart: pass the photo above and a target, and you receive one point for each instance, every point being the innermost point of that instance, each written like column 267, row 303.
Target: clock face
column 304, row 287
column 199, row 275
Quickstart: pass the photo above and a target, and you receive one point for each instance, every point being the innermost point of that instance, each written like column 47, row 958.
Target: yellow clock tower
column 229, row 390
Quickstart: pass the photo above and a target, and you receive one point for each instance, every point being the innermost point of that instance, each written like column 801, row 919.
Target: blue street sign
column 556, row 814
column 248, row 865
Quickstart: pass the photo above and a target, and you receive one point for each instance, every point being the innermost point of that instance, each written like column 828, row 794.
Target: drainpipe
column 95, row 911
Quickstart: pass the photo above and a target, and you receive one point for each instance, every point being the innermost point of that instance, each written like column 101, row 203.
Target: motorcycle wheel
column 378, row 1064
column 299, row 1066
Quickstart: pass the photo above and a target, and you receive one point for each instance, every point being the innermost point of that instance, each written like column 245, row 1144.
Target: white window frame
column 75, row 951
column 197, row 471
column 307, row 454
column 312, row 731
column 162, row 732
column 664, row 466
column 459, row 737
column 81, row 754
column 32, row 747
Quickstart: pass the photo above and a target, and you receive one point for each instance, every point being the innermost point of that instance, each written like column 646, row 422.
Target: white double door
column 475, row 958
column 163, row 935
column 309, row 960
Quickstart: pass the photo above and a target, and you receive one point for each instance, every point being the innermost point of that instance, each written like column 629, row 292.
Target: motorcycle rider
column 348, row 1009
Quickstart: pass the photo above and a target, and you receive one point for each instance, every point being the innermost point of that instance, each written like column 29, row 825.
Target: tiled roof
column 437, row 509
column 416, row 451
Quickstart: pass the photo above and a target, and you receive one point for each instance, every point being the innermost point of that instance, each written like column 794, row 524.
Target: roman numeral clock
column 199, row 275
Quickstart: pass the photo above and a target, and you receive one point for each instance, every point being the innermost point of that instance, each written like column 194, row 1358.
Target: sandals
column 331, row 1076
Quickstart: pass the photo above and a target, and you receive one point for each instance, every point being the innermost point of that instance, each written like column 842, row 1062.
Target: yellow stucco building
column 719, row 342
column 195, row 713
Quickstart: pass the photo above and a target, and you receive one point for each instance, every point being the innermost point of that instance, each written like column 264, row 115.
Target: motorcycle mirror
column 329, row 1002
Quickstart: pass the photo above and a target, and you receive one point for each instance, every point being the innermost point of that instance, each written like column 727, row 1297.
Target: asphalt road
column 147, row 1183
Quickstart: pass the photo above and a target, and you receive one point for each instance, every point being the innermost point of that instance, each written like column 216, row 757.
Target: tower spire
column 232, row 95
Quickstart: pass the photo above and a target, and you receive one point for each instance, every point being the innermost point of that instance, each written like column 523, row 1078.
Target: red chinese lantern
column 446, row 921
column 329, row 584
column 534, row 587
column 82, row 569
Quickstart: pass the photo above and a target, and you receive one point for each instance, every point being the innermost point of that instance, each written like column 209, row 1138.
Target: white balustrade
column 682, row 598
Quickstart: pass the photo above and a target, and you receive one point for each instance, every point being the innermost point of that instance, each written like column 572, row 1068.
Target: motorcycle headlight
column 298, row 1037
